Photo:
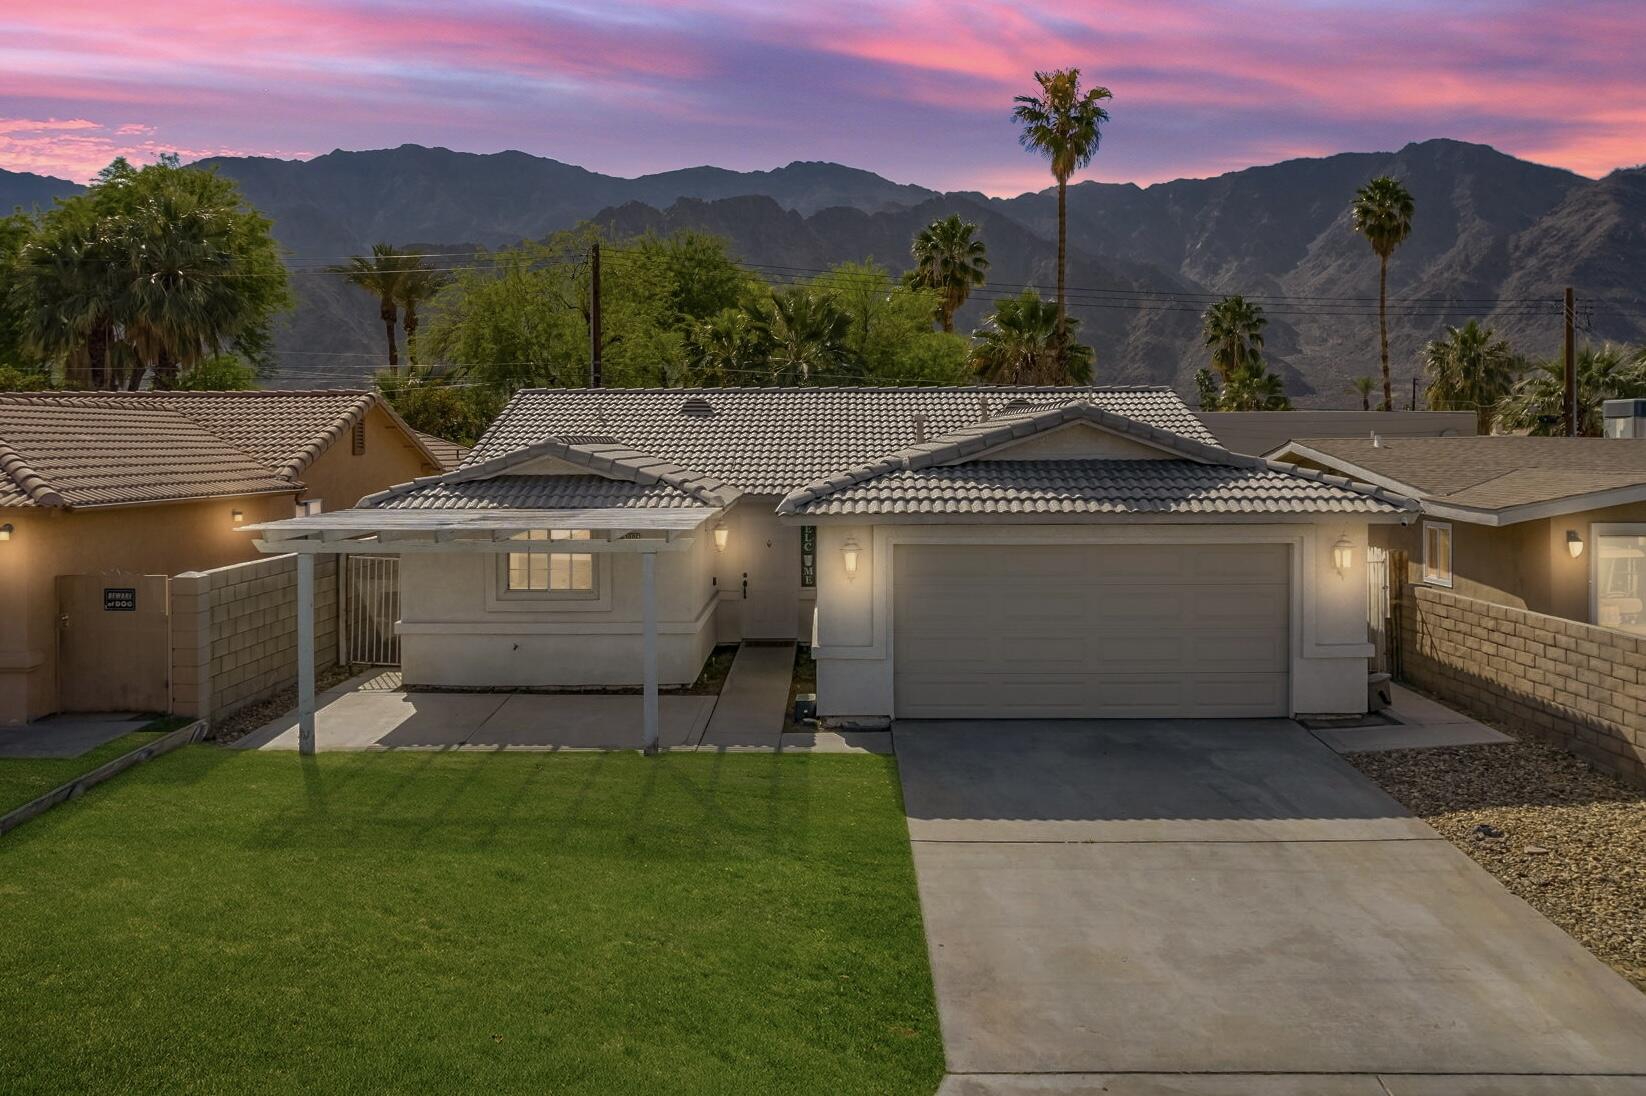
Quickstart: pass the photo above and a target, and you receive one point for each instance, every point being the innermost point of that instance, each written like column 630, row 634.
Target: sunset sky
column 917, row 90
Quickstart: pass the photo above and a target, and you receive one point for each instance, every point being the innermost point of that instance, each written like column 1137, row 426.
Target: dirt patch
column 1567, row 838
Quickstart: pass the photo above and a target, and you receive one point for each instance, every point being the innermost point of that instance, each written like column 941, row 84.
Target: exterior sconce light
column 720, row 535
column 6, row 531
column 848, row 553
column 1574, row 543
column 238, row 516
column 1343, row 554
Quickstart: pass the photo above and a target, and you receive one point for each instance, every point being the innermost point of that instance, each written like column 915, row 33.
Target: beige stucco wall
column 854, row 620
column 1525, row 565
column 154, row 540
column 340, row 478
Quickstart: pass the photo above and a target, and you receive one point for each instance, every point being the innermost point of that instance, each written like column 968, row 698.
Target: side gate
column 371, row 607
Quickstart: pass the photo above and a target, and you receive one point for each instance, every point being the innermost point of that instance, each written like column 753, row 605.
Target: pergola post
column 648, row 571
column 305, row 653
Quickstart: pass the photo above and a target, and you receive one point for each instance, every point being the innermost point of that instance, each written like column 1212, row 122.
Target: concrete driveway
column 1229, row 907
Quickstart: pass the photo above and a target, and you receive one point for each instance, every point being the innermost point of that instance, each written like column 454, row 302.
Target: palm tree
column 1253, row 388
column 808, row 336
column 1469, row 368
column 66, row 288
column 1062, row 124
column 1364, row 386
column 417, row 283
column 1382, row 213
column 1537, row 402
column 951, row 261
column 381, row 276
column 1233, row 328
column 1022, row 343
column 724, row 347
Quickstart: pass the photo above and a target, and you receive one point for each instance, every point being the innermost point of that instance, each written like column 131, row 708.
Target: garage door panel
column 1141, row 630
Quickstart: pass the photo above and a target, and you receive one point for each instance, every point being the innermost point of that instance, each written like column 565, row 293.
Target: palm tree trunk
column 165, row 370
column 947, row 314
column 389, row 313
column 410, row 325
column 97, row 354
column 1062, row 255
column 1383, row 328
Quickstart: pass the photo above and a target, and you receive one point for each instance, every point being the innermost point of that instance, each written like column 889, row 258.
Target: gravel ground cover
column 1568, row 839
column 253, row 716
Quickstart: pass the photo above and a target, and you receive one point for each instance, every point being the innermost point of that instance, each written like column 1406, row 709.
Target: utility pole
column 1413, row 407
column 594, row 315
column 1571, row 367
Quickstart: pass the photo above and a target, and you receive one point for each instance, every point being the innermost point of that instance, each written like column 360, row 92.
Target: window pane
column 1620, row 565
column 582, row 572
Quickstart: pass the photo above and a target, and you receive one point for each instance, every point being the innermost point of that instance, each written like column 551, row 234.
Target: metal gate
column 371, row 608
column 1377, row 609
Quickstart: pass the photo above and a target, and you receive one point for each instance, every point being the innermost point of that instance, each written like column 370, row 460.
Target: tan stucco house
column 149, row 485
column 1553, row 525
column 949, row 552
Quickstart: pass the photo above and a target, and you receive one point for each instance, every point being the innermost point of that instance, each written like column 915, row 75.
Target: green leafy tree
column 15, row 231
column 1382, row 212
column 701, row 277
column 1206, row 389
column 430, row 402
column 808, row 333
column 1062, row 123
column 1253, row 388
column 950, row 260
column 219, row 373
column 1233, row 330
column 1363, row 387
column 1024, row 342
column 1536, row 403
column 890, row 338
column 1470, row 368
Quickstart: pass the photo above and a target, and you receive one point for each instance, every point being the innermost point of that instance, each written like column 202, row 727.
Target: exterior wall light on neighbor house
column 1574, row 543
column 1343, row 554
column 720, row 535
column 238, row 516
column 848, row 553
column 6, row 531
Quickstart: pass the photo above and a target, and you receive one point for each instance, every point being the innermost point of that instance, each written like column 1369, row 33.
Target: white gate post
column 305, row 653
column 648, row 570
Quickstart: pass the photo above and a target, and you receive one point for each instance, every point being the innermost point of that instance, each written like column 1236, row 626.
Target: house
column 949, row 552
column 1260, row 432
column 146, row 485
column 1553, row 525
column 448, row 453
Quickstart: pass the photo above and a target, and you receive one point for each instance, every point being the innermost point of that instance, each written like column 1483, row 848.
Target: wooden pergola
column 644, row 532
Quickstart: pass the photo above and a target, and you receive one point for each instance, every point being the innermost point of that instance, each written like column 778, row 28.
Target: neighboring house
column 1552, row 525
column 450, row 454
column 960, row 552
column 148, row 485
column 1260, row 432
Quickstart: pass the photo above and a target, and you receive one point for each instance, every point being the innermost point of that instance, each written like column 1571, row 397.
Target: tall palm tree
column 951, row 260
column 1382, row 213
column 1364, row 386
column 1233, row 329
column 1062, row 123
column 1471, row 368
column 1022, row 343
column 67, row 288
column 1537, row 403
column 381, row 275
column 807, row 336
column 416, row 285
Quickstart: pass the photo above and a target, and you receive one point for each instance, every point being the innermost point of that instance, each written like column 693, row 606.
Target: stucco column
column 648, row 610
column 305, row 653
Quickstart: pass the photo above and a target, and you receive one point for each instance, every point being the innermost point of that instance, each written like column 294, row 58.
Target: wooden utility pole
column 594, row 315
column 1571, row 367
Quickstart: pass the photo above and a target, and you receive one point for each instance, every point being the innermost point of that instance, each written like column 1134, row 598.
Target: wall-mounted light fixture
column 848, row 553
column 238, row 516
column 1574, row 543
column 1343, row 554
column 6, row 531
column 721, row 533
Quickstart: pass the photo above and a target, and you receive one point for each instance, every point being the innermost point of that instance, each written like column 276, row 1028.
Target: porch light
column 5, row 531
column 1343, row 554
column 238, row 516
column 848, row 553
column 720, row 535
column 1574, row 543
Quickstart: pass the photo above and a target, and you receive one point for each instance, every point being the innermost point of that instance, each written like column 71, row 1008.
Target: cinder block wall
column 1579, row 686
column 234, row 633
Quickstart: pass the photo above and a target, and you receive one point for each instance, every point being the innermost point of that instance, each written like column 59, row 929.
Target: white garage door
column 1035, row 632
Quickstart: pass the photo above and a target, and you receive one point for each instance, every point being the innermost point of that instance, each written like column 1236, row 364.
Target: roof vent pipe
column 983, row 406
column 919, row 421
column 1377, row 442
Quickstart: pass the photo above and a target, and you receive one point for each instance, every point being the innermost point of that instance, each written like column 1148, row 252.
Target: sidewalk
column 1419, row 723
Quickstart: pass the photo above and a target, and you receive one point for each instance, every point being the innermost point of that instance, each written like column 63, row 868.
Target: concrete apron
column 1181, row 907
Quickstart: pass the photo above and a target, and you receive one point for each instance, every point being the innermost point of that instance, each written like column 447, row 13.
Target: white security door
column 1091, row 631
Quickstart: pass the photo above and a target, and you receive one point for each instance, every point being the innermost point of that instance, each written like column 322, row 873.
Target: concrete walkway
column 1419, row 723
column 1229, row 907
column 753, row 702
column 67, row 735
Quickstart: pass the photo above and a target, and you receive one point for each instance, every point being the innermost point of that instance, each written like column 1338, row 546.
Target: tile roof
column 1092, row 487
column 1486, row 473
column 1231, row 482
column 542, row 493
column 55, row 455
column 770, row 440
column 449, row 454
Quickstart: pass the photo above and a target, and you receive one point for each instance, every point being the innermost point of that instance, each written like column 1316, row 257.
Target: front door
column 113, row 643
column 772, row 608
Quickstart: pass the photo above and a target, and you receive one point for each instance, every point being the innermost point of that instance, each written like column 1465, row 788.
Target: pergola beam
column 374, row 547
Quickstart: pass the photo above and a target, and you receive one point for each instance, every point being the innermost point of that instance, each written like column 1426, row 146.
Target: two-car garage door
column 1091, row 630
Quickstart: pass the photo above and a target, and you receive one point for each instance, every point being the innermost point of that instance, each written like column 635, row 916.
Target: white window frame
column 1451, row 555
column 507, row 592
column 1596, row 531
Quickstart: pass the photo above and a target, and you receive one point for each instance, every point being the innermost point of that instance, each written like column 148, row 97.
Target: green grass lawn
column 216, row 921
column 22, row 779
